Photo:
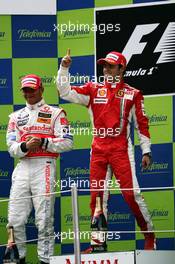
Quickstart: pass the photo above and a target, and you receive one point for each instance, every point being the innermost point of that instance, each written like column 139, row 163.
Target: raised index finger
column 68, row 52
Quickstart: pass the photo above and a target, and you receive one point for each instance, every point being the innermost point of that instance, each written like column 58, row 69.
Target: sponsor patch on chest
column 22, row 122
column 119, row 93
column 44, row 120
column 129, row 95
column 124, row 94
column 100, row 100
column 45, row 115
column 22, row 119
column 102, row 92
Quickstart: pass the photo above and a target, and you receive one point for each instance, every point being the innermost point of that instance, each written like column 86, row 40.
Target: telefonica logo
column 76, row 33
column 3, row 127
column 3, row 82
column 158, row 213
column 78, row 124
column 118, row 216
column 3, row 173
column 2, row 35
column 156, row 167
column 76, row 171
column 82, row 218
column 157, row 119
column 33, row 35
column 47, row 80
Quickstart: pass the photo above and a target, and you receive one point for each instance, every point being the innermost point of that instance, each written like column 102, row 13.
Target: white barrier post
column 76, row 224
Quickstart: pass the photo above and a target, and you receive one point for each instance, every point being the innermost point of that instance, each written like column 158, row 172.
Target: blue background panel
column 74, row 167
column 67, row 249
column 82, row 68
column 120, row 218
column 6, row 91
column 5, row 187
column 34, row 36
column 6, row 166
column 160, row 172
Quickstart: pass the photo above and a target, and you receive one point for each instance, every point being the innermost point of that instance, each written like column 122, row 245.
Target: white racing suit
column 35, row 173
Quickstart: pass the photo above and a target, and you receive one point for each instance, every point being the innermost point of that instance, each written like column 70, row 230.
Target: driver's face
column 112, row 73
column 32, row 96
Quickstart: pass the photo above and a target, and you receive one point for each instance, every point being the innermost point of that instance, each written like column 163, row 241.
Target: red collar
column 117, row 85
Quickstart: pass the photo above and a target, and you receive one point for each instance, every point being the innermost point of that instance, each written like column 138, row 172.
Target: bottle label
column 98, row 237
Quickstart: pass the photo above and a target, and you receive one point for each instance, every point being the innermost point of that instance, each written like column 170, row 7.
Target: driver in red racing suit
column 111, row 106
column 36, row 134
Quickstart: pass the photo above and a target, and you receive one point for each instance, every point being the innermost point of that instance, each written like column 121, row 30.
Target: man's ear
column 42, row 89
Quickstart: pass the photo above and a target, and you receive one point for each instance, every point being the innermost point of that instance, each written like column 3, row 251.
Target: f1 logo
column 166, row 44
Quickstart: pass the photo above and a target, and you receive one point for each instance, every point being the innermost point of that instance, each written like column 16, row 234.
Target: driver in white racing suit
column 36, row 134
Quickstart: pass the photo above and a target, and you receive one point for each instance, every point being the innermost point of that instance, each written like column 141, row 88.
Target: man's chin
column 109, row 79
column 31, row 101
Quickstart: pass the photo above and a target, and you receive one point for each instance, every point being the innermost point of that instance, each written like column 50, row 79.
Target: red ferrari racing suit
column 35, row 174
column 111, row 107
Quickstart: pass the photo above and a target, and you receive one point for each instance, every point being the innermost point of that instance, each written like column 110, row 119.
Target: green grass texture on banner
column 76, row 31
column 100, row 3
column 46, row 68
column 159, row 112
column 5, row 111
column 161, row 207
column 80, row 123
column 67, row 221
column 5, row 37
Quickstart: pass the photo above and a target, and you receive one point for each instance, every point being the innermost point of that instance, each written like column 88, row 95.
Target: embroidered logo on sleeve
column 64, row 121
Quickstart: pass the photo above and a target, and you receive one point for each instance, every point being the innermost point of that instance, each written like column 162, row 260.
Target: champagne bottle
column 98, row 228
column 11, row 253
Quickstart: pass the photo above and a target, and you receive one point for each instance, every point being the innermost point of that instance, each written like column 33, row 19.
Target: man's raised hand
column 66, row 60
